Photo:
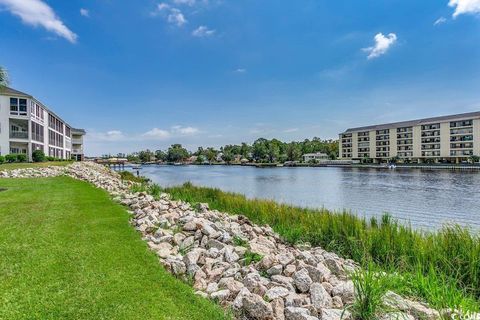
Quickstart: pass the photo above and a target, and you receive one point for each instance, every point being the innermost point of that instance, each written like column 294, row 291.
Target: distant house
column 315, row 156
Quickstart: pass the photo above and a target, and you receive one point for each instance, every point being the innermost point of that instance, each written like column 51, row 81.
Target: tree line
column 261, row 151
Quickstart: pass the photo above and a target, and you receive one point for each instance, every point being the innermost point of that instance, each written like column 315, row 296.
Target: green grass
column 442, row 268
column 127, row 175
column 23, row 165
column 68, row 252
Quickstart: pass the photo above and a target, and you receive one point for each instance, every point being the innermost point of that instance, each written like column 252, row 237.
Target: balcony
column 18, row 135
column 77, row 141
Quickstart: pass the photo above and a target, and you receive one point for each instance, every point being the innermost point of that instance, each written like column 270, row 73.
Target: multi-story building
column 452, row 138
column 27, row 125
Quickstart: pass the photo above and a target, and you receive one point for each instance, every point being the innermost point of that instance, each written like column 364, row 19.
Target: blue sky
column 145, row 73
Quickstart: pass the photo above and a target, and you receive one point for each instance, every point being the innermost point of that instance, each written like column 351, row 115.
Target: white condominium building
column 452, row 139
column 27, row 125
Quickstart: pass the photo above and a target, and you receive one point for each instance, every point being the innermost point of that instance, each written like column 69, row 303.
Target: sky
column 146, row 74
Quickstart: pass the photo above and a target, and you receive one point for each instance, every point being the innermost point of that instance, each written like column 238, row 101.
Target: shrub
column 38, row 156
column 49, row 158
column 2, row 159
column 10, row 158
column 21, row 157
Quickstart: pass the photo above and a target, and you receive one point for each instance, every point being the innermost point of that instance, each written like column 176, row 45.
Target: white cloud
column 187, row 2
column 157, row 133
column 162, row 6
column 187, row 131
column 176, row 17
column 382, row 44
column 240, row 70
column 37, row 13
column 203, row 32
column 112, row 135
column 465, row 7
column 440, row 20
column 290, row 130
column 84, row 12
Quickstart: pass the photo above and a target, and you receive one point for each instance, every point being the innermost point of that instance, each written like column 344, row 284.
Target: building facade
column 315, row 156
column 27, row 125
column 452, row 139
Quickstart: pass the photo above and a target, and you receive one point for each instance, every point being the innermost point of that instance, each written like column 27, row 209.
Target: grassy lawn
column 12, row 166
column 68, row 252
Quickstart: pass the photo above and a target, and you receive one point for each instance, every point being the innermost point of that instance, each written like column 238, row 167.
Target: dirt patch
column 3, row 189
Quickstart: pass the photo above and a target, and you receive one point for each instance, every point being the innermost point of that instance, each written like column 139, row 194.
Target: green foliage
column 2, row 159
column 474, row 159
column 177, row 153
column 38, row 156
column 251, row 257
column 3, row 77
column 370, row 287
column 127, row 175
column 139, row 187
column 21, row 157
column 10, row 158
column 49, row 158
column 454, row 252
column 238, row 241
column 68, row 252
column 145, row 156
column 228, row 157
column 154, row 190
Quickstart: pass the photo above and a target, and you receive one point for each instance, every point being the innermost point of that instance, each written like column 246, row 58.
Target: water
column 426, row 199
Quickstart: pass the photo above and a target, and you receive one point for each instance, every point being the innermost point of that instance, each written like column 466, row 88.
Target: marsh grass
column 440, row 267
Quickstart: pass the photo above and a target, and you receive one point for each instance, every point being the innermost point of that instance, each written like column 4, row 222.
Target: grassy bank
column 68, row 252
column 23, row 165
column 442, row 268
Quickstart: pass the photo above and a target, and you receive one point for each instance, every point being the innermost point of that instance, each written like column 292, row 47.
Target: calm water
column 425, row 198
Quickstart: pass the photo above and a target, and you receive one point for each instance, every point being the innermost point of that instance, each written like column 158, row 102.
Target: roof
column 78, row 131
column 417, row 122
column 12, row 92
column 7, row 91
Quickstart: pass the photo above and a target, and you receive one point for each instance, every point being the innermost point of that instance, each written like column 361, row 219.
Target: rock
column 398, row 315
column 335, row 267
column 289, row 270
column 262, row 246
column 345, row 290
column 320, row 297
column 276, row 292
column 315, row 274
column 267, row 262
column 420, row 311
column 188, row 243
column 230, row 255
column 256, row 308
column 237, row 303
column 335, row 314
column 278, row 307
column 285, row 258
column 190, row 226
column 395, row 301
column 231, row 284
column 221, row 295
column 178, row 267
column 302, row 280
column 337, row 302
column 275, row 270
column 202, row 207
column 163, row 249
column 297, row 313
column 212, row 243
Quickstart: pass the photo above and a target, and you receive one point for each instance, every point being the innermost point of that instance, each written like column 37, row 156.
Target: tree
column 294, row 151
column 211, row 154
column 145, row 156
column 3, row 77
column 160, row 155
column 474, row 159
column 228, row 157
column 38, row 156
column 177, row 153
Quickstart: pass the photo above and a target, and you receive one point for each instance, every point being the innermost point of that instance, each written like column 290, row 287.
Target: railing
column 18, row 135
column 77, row 150
column 77, row 141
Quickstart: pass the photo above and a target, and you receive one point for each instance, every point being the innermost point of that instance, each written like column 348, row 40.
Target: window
column 13, row 106
column 37, row 132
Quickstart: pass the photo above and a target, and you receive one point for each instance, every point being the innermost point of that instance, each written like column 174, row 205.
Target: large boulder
column 257, row 308
column 302, row 280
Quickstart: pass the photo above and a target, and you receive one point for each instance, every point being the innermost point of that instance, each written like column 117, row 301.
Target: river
column 426, row 199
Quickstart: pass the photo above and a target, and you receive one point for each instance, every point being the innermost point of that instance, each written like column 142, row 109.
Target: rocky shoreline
column 242, row 266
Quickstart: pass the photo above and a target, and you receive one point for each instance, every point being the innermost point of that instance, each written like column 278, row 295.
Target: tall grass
column 447, row 260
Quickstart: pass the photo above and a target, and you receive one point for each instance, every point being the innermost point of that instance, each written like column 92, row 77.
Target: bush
column 10, row 158
column 2, row 159
column 49, row 158
column 38, row 156
column 21, row 157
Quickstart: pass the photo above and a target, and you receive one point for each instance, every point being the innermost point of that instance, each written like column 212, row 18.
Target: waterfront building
column 318, row 156
column 453, row 139
column 27, row 125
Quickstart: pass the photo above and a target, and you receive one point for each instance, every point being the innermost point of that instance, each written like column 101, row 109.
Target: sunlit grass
column 23, row 165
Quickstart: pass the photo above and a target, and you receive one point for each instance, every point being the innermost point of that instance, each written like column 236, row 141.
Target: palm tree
column 3, row 77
